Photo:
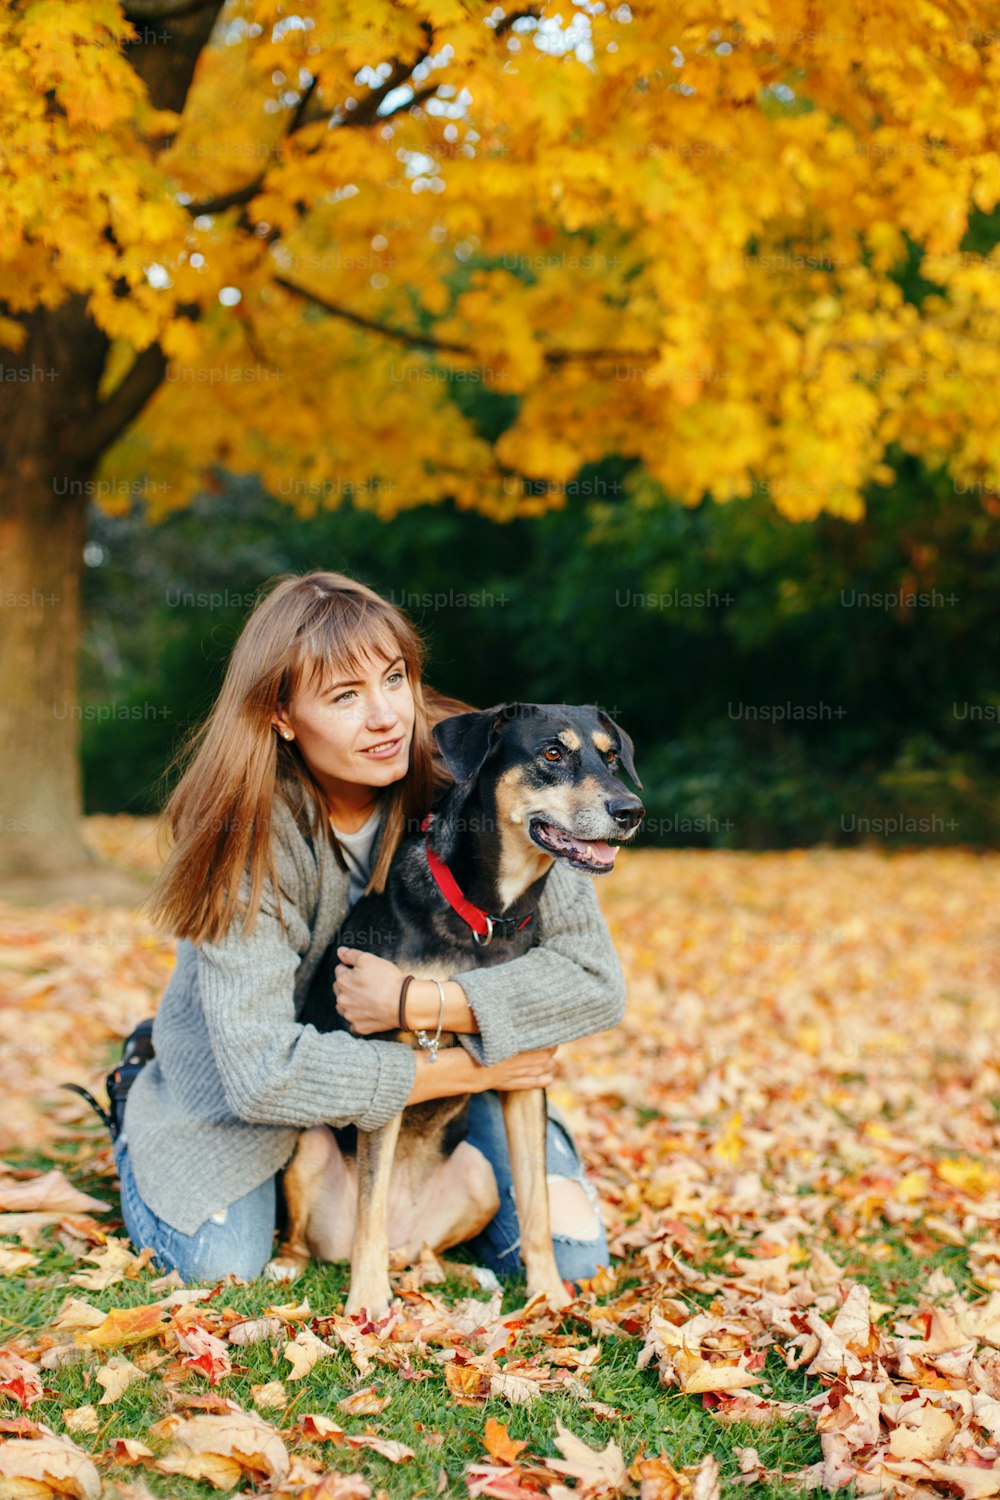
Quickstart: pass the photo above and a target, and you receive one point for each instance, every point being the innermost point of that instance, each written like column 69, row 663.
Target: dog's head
column 552, row 769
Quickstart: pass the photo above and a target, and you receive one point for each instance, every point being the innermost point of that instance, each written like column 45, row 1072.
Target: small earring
column 287, row 734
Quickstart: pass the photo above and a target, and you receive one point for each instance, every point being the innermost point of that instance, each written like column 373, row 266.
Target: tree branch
column 398, row 335
column 367, row 111
column 417, row 340
column 516, row 15
column 365, row 114
column 122, row 406
column 227, row 200
column 166, row 63
column 162, row 10
column 244, row 194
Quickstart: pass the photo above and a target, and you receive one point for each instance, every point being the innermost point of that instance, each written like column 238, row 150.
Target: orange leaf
column 319, row 1429
column 366, row 1403
column 498, row 1444
column 467, row 1384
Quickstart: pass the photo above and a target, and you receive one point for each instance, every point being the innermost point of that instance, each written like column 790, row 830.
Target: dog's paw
column 284, row 1268
column 554, row 1292
column 374, row 1302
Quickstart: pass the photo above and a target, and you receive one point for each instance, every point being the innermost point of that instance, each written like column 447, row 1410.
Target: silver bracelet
column 431, row 1044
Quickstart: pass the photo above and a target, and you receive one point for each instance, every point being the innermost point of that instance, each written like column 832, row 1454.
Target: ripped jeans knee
column 498, row 1246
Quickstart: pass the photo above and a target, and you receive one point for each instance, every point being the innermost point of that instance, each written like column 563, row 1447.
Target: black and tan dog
column 533, row 783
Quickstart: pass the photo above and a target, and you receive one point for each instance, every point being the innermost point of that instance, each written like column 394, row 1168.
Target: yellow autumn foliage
column 673, row 232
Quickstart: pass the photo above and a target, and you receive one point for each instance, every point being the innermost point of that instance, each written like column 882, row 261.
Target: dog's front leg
column 370, row 1256
column 525, row 1118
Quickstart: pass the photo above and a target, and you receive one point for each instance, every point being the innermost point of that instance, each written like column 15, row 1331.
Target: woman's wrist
column 423, row 1005
column 454, row 1072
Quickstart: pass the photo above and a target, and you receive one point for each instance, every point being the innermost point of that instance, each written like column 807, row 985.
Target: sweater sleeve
column 275, row 1071
column 569, row 985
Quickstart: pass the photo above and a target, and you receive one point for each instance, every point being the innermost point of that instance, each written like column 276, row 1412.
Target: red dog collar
column 484, row 927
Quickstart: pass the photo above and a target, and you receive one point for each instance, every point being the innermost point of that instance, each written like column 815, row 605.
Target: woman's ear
column 465, row 740
column 281, row 724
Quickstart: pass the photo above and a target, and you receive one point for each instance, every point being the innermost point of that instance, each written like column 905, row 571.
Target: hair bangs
column 345, row 635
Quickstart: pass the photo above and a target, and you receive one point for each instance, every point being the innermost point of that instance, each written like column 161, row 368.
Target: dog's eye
column 611, row 757
column 553, row 754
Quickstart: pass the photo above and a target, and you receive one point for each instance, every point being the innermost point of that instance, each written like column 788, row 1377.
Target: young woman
column 316, row 757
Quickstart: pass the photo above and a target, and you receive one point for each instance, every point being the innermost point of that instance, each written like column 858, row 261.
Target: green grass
column 653, row 1420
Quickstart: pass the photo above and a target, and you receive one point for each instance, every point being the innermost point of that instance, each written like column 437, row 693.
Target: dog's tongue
column 596, row 850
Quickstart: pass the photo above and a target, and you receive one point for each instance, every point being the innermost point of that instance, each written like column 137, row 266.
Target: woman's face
column 354, row 730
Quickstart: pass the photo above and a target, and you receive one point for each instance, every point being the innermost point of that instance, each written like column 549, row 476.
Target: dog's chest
column 410, row 924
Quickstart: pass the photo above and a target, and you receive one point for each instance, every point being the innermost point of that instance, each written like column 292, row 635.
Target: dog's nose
column 626, row 811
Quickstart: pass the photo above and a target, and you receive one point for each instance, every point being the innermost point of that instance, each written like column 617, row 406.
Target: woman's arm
column 275, row 1071
column 455, row 1072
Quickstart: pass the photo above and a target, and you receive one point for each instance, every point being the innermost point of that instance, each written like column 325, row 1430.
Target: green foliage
column 778, row 690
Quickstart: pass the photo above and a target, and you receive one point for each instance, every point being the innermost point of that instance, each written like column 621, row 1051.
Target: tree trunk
column 41, row 540
column 52, row 432
column 43, row 518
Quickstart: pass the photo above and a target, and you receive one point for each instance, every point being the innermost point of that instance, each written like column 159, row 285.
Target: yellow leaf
column 126, row 1325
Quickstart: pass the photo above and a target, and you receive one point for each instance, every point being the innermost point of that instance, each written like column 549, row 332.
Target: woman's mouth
column 384, row 750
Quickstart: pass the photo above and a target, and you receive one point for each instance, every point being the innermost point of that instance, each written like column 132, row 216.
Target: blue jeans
column 239, row 1242
column 236, row 1242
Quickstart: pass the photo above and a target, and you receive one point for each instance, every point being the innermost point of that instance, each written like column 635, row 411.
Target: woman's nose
column 381, row 712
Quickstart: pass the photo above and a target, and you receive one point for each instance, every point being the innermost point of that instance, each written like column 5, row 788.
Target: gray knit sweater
column 235, row 1077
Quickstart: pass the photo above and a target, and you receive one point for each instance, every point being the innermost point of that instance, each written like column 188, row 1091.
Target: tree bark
column 43, row 519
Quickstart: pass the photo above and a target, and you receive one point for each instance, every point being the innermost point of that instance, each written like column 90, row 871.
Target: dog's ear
column 465, row 740
column 627, row 747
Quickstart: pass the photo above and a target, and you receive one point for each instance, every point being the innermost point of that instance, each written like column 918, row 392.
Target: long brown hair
column 235, row 764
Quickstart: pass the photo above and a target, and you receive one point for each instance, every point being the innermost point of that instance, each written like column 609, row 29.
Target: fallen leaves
column 76, row 980
column 807, row 1057
column 114, row 1263
column 303, row 1351
column 20, row 1379
column 222, row 1449
column 499, row 1444
column 48, row 1192
column 206, row 1353
column 601, row 1472
column 116, row 1376
column 922, row 1431
column 364, row 1403
column 125, row 1325
column 597, row 1473
column 660, row 1480
column 47, row 1465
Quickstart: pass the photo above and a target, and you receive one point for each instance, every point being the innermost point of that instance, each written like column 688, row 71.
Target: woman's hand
column 367, row 990
column 525, row 1070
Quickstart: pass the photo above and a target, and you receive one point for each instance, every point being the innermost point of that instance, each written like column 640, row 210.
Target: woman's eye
column 394, row 677
column 553, row 754
column 343, row 697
